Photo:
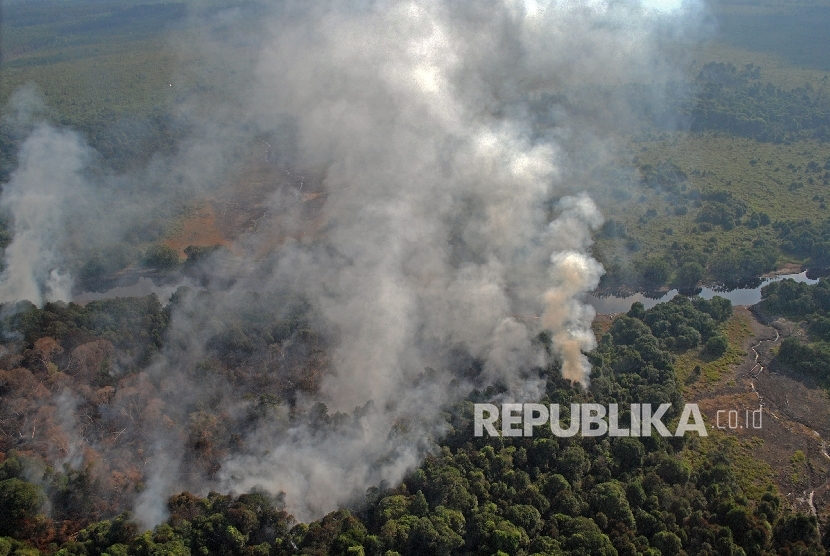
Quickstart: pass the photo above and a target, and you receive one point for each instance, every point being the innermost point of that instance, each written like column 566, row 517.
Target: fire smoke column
column 441, row 132
column 573, row 273
column 49, row 175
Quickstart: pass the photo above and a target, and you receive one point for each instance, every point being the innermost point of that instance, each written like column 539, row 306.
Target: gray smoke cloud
column 35, row 198
column 439, row 228
column 456, row 218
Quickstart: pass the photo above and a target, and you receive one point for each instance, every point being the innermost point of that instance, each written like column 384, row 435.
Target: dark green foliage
column 667, row 542
column 680, row 324
column 716, row 346
column 719, row 308
column 104, row 537
column 666, row 176
column 73, row 493
column 107, row 262
column 12, row 468
column 806, row 239
column 796, row 299
column 797, row 534
column 20, row 502
column 161, row 257
column 655, row 272
column 613, row 228
column 255, row 323
column 810, row 304
column 720, row 208
column 476, row 496
column 733, row 267
column 689, row 275
column 737, row 101
column 811, row 359
column 133, row 324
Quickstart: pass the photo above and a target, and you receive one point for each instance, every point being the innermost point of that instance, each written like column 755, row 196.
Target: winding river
column 739, row 296
column 603, row 305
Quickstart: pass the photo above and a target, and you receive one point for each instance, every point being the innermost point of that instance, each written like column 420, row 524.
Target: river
column 739, row 296
column 603, row 305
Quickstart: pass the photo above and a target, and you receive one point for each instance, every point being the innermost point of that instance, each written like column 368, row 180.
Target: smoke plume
column 450, row 144
column 35, row 197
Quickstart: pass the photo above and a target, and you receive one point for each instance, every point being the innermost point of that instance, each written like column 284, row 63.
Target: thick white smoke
column 455, row 226
column 49, row 176
column 442, row 225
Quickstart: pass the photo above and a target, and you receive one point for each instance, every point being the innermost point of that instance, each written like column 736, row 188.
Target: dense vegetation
column 81, row 399
column 738, row 192
column 738, row 102
column 810, row 305
column 545, row 495
column 698, row 220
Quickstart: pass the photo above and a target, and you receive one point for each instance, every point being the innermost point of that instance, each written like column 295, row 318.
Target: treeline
column 807, row 239
column 736, row 101
column 505, row 495
column 125, row 140
column 810, row 305
column 684, row 265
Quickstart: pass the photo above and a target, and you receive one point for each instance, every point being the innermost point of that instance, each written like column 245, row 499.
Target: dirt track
column 795, row 415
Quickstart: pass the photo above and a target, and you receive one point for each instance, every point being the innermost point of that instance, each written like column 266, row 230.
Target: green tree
column 19, row 505
column 716, row 345
column 161, row 257
column 667, row 543
column 609, row 498
column 655, row 272
column 688, row 275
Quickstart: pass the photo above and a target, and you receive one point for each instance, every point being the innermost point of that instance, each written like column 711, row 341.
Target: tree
column 667, row 543
column 689, row 275
column 655, row 272
column 583, row 537
column 19, row 504
column 609, row 498
column 716, row 345
column 161, row 257
column 196, row 253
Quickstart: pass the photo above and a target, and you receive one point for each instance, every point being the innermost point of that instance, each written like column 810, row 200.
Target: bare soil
column 795, row 415
column 788, row 268
column 200, row 230
column 263, row 205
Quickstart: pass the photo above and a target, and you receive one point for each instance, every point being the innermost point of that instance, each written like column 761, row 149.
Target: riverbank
column 739, row 296
column 792, row 431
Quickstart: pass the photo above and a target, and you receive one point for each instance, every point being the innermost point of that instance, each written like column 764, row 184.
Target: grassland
column 755, row 476
column 759, row 174
column 700, row 372
column 101, row 63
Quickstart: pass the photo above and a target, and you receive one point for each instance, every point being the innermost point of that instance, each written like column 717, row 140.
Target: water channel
column 739, row 296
